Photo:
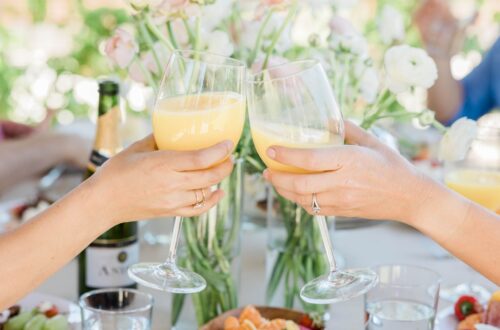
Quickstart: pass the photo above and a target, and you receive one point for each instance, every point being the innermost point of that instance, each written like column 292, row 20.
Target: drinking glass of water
column 110, row 309
column 405, row 298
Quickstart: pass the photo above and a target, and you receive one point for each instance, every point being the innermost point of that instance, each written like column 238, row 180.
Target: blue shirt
column 481, row 88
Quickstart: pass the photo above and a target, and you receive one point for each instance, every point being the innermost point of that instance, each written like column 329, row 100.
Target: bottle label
column 108, row 266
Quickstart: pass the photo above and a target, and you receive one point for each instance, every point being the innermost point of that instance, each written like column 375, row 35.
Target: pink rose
column 121, row 48
column 149, row 63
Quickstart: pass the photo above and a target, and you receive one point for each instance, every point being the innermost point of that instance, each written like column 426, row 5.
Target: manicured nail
column 229, row 145
column 271, row 152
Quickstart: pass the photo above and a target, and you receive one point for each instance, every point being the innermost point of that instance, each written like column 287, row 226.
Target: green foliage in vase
column 212, row 243
column 300, row 258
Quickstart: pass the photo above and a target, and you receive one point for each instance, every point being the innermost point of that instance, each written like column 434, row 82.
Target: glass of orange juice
column 293, row 105
column 477, row 177
column 200, row 103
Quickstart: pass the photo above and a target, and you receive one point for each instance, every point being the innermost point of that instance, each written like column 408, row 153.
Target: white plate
column 66, row 307
column 446, row 320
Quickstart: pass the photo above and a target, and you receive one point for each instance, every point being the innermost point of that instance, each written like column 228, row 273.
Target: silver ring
column 315, row 206
column 199, row 203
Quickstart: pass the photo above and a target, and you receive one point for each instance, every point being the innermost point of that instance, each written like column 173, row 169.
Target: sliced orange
column 276, row 324
column 231, row 323
column 247, row 325
column 251, row 314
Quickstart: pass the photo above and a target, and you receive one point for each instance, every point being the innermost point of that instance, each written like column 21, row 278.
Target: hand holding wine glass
column 170, row 178
column 351, row 180
column 201, row 102
column 292, row 105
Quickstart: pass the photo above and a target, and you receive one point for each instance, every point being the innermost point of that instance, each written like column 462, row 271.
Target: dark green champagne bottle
column 104, row 263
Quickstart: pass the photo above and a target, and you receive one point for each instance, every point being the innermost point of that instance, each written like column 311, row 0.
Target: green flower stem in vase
column 212, row 250
column 295, row 254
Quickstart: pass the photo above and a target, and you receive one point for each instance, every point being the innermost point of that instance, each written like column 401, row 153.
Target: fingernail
column 271, row 152
column 229, row 145
column 233, row 159
column 265, row 174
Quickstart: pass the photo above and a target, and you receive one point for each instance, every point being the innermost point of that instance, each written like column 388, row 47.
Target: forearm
column 36, row 250
column 21, row 159
column 445, row 97
column 467, row 230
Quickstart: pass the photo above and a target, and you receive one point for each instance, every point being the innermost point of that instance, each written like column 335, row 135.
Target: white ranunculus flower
column 413, row 100
column 408, row 67
column 215, row 13
column 218, row 42
column 457, row 140
column 369, row 85
column 311, row 25
column 390, row 24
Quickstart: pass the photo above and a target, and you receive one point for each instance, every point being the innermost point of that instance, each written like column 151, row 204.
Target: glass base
column 341, row 285
column 167, row 277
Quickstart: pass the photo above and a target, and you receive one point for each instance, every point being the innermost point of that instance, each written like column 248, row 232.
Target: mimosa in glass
column 477, row 177
column 201, row 102
column 292, row 105
column 481, row 186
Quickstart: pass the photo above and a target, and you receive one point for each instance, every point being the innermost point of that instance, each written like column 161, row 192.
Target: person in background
column 27, row 151
column 475, row 95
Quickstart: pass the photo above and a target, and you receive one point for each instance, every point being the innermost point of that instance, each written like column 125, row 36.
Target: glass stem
column 327, row 243
column 172, row 253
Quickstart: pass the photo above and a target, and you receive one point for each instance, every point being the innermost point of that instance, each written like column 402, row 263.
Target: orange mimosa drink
column 266, row 135
column 194, row 122
column 481, row 186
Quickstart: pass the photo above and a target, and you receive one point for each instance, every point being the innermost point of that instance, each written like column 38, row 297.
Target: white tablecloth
column 381, row 244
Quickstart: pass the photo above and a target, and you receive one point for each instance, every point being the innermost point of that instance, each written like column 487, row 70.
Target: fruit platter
column 264, row 318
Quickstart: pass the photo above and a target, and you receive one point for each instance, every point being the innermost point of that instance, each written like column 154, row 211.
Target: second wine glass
column 292, row 105
column 201, row 102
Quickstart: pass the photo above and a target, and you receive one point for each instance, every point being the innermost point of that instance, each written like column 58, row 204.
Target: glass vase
column 295, row 254
column 212, row 249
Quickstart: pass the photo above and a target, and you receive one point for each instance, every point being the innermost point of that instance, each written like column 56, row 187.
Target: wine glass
column 201, row 102
column 292, row 105
column 477, row 177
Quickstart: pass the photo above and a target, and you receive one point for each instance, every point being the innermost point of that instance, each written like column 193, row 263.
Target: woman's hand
column 142, row 182
column 365, row 179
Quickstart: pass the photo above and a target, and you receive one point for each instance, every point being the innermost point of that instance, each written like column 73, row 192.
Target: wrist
column 438, row 210
column 98, row 203
column 420, row 199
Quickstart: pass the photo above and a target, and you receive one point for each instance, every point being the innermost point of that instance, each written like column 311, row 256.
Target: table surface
column 385, row 243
